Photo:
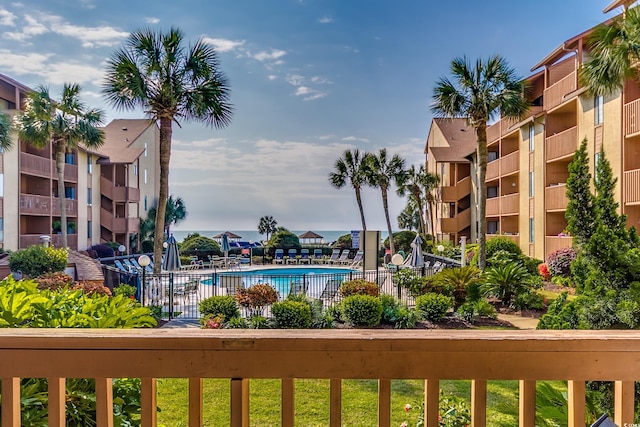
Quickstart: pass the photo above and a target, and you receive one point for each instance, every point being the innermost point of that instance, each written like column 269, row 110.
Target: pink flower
column 404, row 424
column 407, row 407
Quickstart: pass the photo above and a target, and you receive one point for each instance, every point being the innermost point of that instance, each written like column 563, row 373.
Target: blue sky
column 309, row 79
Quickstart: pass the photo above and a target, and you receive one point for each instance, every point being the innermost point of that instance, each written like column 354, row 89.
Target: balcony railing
column 554, row 95
column 493, row 170
column 513, row 237
column 632, row 187
column 118, row 224
column 563, row 144
column 510, row 163
column 194, row 354
column 632, row 118
column 556, row 197
column 493, row 206
column 27, row 240
column 119, row 193
column 510, row 204
column 35, row 165
column 456, row 192
column 35, row 205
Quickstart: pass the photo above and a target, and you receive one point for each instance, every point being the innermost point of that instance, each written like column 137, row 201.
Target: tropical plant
column 480, row 91
column 171, row 82
column 359, row 287
column 409, row 217
column 219, row 305
column 64, row 124
column 350, row 168
column 256, row 297
column 463, row 283
column 175, row 213
column 5, row 132
column 381, row 172
column 418, row 183
column 37, row 260
column 284, row 239
column 505, row 282
column 267, row 225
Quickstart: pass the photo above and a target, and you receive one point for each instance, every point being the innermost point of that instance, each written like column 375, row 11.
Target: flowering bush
column 559, row 262
column 92, row 288
column 359, row 287
column 53, row 281
column 543, row 269
column 257, row 297
column 213, row 322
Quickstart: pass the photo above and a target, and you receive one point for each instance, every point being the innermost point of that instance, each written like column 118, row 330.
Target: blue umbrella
column 415, row 259
column 225, row 245
column 172, row 256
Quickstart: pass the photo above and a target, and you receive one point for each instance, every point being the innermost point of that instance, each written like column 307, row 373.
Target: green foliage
column 505, row 282
column 605, row 201
column 402, row 241
column 343, row 242
column 452, row 411
column 561, row 314
column 259, row 322
column 318, row 319
column 405, row 318
column 412, row 282
column 581, row 210
column 471, row 311
column 237, row 323
column 362, row 310
column 432, row 306
column 37, row 260
column 359, row 287
column 460, row 282
column 502, row 244
column 528, row 301
column 223, row 305
column 390, row 308
column 200, row 243
column 53, row 281
column 127, row 291
column 290, row 314
column 284, row 239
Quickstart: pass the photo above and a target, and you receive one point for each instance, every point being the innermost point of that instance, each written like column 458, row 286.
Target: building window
column 70, row 158
column 531, row 230
column 70, row 193
column 596, row 160
column 145, row 149
column 89, row 233
column 1, row 185
column 135, row 170
column 492, row 227
column 492, row 192
column 598, row 107
column 2, row 230
column 532, row 134
column 145, row 203
column 89, row 164
column 531, row 189
column 89, row 198
column 492, row 155
column 145, row 176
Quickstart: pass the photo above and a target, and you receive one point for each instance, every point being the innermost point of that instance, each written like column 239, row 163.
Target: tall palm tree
column 432, row 182
column 65, row 124
column 350, row 169
column 478, row 92
column 409, row 218
column 418, row 184
column 5, row 132
column 175, row 213
column 171, row 82
column 381, row 172
column 267, row 225
column 615, row 57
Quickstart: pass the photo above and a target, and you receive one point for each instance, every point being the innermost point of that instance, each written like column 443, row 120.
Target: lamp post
column 397, row 260
column 144, row 261
column 122, row 249
column 250, row 252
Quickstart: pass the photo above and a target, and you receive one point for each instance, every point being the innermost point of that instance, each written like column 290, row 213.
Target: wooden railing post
column 104, row 402
column 239, row 402
column 57, row 403
column 431, row 402
column 335, row 406
column 384, row 403
column 624, row 402
column 288, row 406
column 11, row 402
column 478, row 403
column 527, row 416
column 195, row 402
column 576, row 402
column 148, row 402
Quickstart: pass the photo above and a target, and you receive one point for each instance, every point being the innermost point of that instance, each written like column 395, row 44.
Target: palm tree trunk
column 481, row 135
column 423, row 222
column 165, row 156
column 359, row 200
column 385, row 205
column 59, row 150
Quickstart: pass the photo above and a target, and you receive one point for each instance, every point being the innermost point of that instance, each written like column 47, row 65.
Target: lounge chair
column 330, row 289
column 278, row 257
column 304, row 256
column 233, row 263
column 292, row 256
column 317, row 257
column 231, row 284
column 357, row 260
column 297, row 287
column 139, row 267
column 334, row 256
column 119, row 265
column 132, row 268
column 344, row 256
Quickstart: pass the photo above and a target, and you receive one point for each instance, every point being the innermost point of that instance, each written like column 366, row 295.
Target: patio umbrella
column 171, row 257
column 225, row 245
column 415, row 259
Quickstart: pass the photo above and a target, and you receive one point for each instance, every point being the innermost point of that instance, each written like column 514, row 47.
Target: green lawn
column 359, row 401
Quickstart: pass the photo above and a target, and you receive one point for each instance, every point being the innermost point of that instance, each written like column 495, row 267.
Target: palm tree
column 418, row 184
column 267, row 225
column 65, row 124
column 5, row 132
column 176, row 213
column 381, row 172
column 350, row 168
column 479, row 92
column 614, row 53
column 409, row 218
column 171, row 82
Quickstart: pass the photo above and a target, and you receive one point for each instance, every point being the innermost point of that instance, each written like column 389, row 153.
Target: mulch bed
column 552, row 287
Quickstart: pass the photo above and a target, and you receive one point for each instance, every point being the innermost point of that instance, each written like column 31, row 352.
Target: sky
column 309, row 79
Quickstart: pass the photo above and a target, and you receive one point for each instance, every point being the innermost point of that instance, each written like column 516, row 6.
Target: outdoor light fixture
column 440, row 248
column 144, row 262
column 122, row 249
column 165, row 245
column 397, row 260
column 250, row 252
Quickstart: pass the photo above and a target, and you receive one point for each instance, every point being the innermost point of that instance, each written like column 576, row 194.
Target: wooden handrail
column 240, row 355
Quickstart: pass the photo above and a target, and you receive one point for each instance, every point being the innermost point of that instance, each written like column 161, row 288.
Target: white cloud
column 87, row 4
column 152, row 20
column 32, row 28
column 354, row 138
column 309, row 94
column 7, row 18
column 269, row 56
column 272, row 77
column 38, row 64
column 223, row 45
column 295, row 79
column 320, row 80
column 327, row 19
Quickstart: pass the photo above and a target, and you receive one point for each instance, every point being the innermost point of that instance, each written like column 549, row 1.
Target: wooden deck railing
column 632, row 118
column 632, row 187
column 561, row 145
column 554, row 95
column 240, row 355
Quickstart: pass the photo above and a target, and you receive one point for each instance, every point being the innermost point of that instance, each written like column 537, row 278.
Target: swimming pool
column 314, row 278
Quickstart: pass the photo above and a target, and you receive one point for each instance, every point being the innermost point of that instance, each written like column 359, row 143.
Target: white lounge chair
column 278, row 257
column 357, row 260
column 344, row 256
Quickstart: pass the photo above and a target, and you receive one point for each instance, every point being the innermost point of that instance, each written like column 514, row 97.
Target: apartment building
column 106, row 190
column 528, row 160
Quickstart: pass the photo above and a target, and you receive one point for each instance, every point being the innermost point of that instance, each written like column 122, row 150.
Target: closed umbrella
column 415, row 259
column 172, row 256
column 225, row 245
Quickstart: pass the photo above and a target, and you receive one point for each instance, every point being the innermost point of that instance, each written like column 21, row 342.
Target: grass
column 359, row 401
column 551, row 296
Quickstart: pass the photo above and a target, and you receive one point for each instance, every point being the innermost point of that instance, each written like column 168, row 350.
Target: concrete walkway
column 182, row 323
column 519, row 322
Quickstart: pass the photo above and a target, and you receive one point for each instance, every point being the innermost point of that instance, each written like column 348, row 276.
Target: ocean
column 328, row 236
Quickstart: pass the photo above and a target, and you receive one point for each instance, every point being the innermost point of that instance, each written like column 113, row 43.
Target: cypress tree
column 580, row 213
column 605, row 202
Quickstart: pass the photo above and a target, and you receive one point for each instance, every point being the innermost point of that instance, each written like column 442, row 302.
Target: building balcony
column 493, row 170
column 456, row 192
column 632, row 118
column 119, row 193
column 561, row 145
column 555, row 94
column 334, row 355
column 555, row 197
column 456, row 224
column 118, row 224
column 510, row 204
column 27, row 240
column 510, row 163
column 493, row 206
column 32, row 204
column 35, row 165
column 632, row 187
column 553, row 243
column 71, row 206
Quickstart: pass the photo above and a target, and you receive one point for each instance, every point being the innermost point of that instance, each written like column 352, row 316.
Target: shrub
column 103, row 251
column 543, row 269
column 92, row 288
column 220, row 305
column 359, row 287
column 473, row 310
column 362, row 310
column 559, row 262
column 405, row 319
column 390, row 309
column 531, row 264
column 256, row 297
column 284, row 239
column 461, row 282
column 200, row 243
column 212, row 322
column 335, row 312
column 259, row 322
column 413, row 283
column 498, row 244
column 291, row 314
column 432, row 306
column 37, row 260
column 505, row 282
column 529, row 301
column 237, row 323
column 53, row 281
column 127, row 290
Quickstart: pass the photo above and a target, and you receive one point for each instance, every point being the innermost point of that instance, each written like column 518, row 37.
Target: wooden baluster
column 384, row 403
column 57, row 403
column 11, row 402
column 288, row 396
column 104, row 402
column 239, row 402
column 148, row 402
column 576, row 402
column 624, row 405
column 195, row 402
column 335, row 399
column 431, row 402
column 478, row 403
column 527, row 414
